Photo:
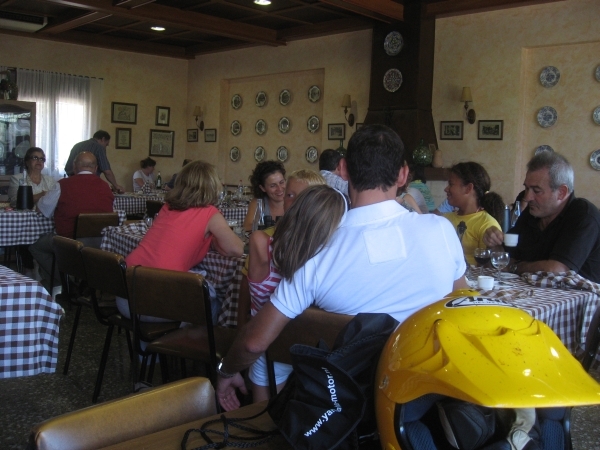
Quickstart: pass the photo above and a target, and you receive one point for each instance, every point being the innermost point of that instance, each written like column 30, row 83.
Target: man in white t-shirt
column 382, row 259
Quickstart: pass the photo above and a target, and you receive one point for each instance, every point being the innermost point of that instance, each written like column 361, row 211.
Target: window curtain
column 66, row 111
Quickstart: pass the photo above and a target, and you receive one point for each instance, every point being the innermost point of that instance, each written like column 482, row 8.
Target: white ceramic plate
column 236, row 101
column 259, row 154
column 595, row 160
column 314, row 93
column 234, row 154
column 543, row 148
column 284, row 125
column 549, row 76
column 313, row 124
column 596, row 116
column 236, row 127
column 393, row 43
column 392, row 80
column 509, row 276
column 285, row 97
column 547, row 116
column 282, row 154
column 312, row 154
column 261, row 99
column 598, row 73
column 260, row 127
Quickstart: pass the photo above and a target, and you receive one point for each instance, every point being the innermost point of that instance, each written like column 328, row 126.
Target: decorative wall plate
column 261, row 99
column 259, row 154
column 234, row 154
column 393, row 43
column 313, row 124
column 547, row 116
column 236, row 101
column 312, row 154
column 282, row 154
column 595, row 159
column 598, row 73
column 543, row 148
column 314, row 93
column 596, row 115
column 284, row 124
column 285, row 97
column 550, row 76
column 392, row 80
column 236, row 127
column 260, row 127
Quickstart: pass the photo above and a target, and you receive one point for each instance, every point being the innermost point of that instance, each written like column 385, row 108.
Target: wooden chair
column 89, row 226
column 178, row 296
column 153, row 207
column 308, row 328
column 126, row 418
column 592, row 341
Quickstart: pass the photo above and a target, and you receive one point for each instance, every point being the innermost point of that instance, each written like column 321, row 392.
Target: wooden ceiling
column 196, row 27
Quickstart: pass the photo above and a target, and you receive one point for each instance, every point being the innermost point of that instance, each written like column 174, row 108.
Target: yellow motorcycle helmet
column 480, row 350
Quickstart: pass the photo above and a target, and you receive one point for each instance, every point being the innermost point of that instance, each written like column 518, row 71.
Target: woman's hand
column 226, row 391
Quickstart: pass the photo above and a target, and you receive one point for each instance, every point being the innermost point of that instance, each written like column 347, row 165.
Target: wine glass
column 482, row 256
column 500, row 260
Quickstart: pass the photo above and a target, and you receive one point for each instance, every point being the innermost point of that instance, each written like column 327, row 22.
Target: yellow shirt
column 476, row 224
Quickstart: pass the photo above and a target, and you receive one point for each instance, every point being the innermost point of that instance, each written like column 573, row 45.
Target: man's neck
column 371, row 196
column 545, row 221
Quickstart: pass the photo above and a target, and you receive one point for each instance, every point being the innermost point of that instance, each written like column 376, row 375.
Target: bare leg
column 261, row 393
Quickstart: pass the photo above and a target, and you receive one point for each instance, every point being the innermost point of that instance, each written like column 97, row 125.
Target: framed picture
column 192, row 135
column 163, row 115
column 336, row 131
column 490, row 130
column 451, row 130
column 359, row 126
column 210, row 135
column 123, row 138
column 123, row 113
column 162, row 143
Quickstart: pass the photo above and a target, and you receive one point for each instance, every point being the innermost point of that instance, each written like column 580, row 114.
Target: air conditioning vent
column 21, row 22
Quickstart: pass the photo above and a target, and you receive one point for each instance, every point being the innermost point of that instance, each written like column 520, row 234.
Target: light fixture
column 347, row 103
column 467, row 97
column 198, row 114
column 157, row 28
column 262, row 2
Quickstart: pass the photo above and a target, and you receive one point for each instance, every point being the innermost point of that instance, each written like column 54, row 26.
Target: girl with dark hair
column 144, row 175
column 268, row 184
column 468, row 191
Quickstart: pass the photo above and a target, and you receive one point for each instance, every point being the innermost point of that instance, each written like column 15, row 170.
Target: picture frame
column 123, row 138
column 162, row 143
column 359, row 126
column 336, row 131
column 490, row 130
column 163, row 116
column 210, row 135
column 192, row 135
column 452, row 130
column 123, row 113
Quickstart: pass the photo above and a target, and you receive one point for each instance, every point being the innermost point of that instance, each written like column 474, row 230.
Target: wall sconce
column 467, row 97
column 347, row 103
column 198, row 114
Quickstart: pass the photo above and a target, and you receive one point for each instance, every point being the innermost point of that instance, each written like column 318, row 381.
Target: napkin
column 508, row 294
column 561, row 280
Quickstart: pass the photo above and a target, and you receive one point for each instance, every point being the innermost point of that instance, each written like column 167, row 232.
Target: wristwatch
column 221, row 373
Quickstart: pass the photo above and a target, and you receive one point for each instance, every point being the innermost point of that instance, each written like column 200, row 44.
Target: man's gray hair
column 559, row 169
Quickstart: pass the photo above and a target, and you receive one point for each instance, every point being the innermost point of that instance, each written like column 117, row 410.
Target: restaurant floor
column 28, row 400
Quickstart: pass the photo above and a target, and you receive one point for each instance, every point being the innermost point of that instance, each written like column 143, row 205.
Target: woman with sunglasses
column 34, row 161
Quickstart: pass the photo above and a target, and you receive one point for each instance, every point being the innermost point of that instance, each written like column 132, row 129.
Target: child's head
column 298, row 181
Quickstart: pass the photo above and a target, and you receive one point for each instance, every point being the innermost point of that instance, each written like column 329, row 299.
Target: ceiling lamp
column 158, row 28
column 262, row 2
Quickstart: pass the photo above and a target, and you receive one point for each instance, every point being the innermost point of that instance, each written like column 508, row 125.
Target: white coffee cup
column 511, row 240
column 485, row 283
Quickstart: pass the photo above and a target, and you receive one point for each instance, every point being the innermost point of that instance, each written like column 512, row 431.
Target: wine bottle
column 159, row 181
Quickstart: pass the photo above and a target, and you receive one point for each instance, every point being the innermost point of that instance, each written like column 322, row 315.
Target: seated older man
column 557, row 231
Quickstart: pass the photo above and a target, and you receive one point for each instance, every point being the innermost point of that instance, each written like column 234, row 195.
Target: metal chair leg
column 103, row 359
column 72, row 339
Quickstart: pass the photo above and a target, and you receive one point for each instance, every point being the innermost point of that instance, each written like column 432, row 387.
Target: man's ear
column 402, row 175
column 563, row 192
column 343, row 168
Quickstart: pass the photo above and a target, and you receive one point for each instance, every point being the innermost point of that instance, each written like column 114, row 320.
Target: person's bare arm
column 225, row 240
column 139, row 181
column 258, row 258
column 413, row 203
column 461, row 283
column 250, row 215
column 547, row 265
column 110, row 176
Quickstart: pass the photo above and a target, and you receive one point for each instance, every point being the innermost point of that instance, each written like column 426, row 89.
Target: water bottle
column 240, row 191
column 259, row 221
column 159, row 181
column 516, row 213
column 506, row 220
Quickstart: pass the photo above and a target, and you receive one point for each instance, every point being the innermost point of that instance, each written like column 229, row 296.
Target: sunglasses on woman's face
column 38, row 158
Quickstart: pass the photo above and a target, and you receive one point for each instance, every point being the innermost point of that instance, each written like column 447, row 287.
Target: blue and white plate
column 282, row 154
column 598, row 73
column 312, row 154
column 550, row 76
column 543, row 148
column 392, row 80
column 285, row 97
column 393, row 43
column 596, row 115
column 259, row 154
column 236, row 101
column 313, row 124
column 595, row 160
column 260, row 127
column 234, row 154
column 547, row 116
column 236, row 127
column 261, row 99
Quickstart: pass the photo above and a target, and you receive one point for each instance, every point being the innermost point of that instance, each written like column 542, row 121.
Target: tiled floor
column 26, row 401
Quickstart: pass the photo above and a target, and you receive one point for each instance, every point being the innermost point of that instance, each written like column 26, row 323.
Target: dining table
column 224, row 273
column 29, row 325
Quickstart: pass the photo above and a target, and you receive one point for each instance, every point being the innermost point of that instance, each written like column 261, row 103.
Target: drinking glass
column 482, row 256
column 500, row 260
column 148, row 221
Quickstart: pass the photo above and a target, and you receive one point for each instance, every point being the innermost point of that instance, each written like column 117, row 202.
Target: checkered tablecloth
column 568, row 312
column 134, row 203
column 29, row 323
column 235, row 213
column 223, row 272
column 23, row 227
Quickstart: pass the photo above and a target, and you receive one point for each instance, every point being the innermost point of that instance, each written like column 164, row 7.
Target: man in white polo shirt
column 382, row 259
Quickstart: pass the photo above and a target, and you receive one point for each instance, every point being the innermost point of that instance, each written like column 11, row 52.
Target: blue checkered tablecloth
column 134, row 203
column 235, row 213
column 29, row 324
column 23, row 227
column 223, row 272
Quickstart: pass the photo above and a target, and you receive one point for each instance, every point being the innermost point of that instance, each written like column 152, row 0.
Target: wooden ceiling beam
column 73, row 23
column 456, row 7
column 165, row 16
column 325, row 29
column 387, row 11
column 130, row 4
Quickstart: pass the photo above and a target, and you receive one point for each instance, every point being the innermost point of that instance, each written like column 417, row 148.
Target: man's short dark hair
column 374, row 158
column 329, row 159
column 101, row 134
